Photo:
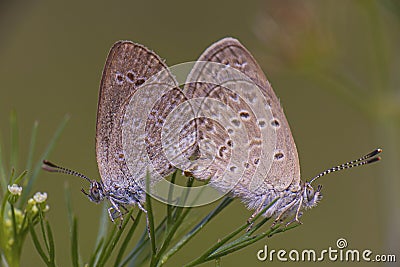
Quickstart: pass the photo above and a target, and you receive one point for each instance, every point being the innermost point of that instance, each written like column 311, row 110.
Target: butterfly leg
column 147, row 217
column 255, row 213
column 289, row 206
column 126, row 211
column 111, row 212
column 116, row 209
column 298, row 214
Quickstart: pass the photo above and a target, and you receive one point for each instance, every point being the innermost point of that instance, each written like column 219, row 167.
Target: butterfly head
column 96, row 192
column 311, row 197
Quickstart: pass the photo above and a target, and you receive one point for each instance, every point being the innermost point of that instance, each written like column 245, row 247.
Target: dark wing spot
column 235, row 122
column 130, row 76
column 119, row 78
column 139, row 82
column 261, row 124
column 244, row 115
column 221, row 151
column 275, row 123
column 229, row 143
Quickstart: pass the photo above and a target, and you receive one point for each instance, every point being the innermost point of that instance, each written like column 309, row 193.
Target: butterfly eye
column 95, row 192
column 310, row 193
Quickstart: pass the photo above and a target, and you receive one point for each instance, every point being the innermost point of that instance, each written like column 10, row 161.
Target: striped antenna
column 51, row 167
column 367, row 159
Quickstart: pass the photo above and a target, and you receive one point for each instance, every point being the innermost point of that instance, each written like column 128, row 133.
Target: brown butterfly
column 269, row 165
column 238, row 131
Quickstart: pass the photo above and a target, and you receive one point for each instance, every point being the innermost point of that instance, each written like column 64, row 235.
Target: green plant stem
column 14, row 140
column 150, row 217
column 32, row 179
column 220, row 244
column 169, row 206
column 180, row 215
column 128, row 238
column 32, row 144
column 114, row 238
column 74, row 243
column 224, row 203
column 3, row 182
column 141, row 246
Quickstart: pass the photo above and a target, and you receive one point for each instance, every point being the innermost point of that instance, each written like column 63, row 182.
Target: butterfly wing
column 279, row 163
column 124, row 119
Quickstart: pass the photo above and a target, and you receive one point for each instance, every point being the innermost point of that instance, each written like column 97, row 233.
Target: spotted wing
column 134, row 79
column 274, row 163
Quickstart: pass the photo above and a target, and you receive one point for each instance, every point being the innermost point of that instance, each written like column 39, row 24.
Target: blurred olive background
column 334, row 65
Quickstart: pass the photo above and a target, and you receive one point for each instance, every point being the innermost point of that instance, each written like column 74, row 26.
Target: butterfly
column 235, row 135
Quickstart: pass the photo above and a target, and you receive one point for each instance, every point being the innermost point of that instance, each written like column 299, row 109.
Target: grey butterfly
column 131, row 70
column 277, row 162
column 239, row 133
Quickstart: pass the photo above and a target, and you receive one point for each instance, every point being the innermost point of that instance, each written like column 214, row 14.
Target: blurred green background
column 334, row 65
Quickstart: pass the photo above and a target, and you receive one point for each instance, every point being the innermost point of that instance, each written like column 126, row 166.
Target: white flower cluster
column 15, row 189
column 40, row 197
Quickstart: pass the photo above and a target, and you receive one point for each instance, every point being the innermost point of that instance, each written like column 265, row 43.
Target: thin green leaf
column 20, row 177
column 180, row 215
column 107, row 243
column 74, row 243
column 38, row 165
column 258, row 225
column 14, row 223
column 44, row 234
column 37, row 243
column 183, row 198
column 3, row 203
column 32, row 144
column 170, row 208
column 232, row 249
column 52, row 250
column 107, row 253
column 150, row 217
column 235, row 246
column 104, row 223
column 3, row 180
column 223, row 204
column 137, row 255
column 11, row 176
column 95, row 256
column 14, row 140
column 127, row 239
column 205, row 256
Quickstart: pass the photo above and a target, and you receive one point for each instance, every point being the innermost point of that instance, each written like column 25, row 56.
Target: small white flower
column 47, row 208
column 15, row 189
column 35, row 209
column 40, row 197
column 31, row 201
